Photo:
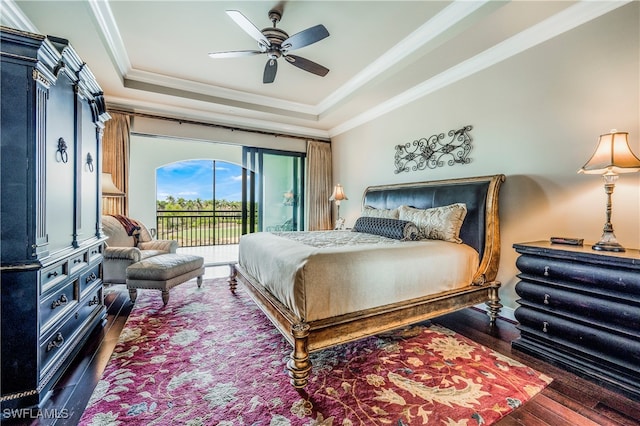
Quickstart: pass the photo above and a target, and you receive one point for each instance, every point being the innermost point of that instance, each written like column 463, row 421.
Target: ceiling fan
column 276, row 43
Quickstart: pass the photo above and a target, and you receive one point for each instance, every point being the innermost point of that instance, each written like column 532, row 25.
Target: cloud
column 188, row 194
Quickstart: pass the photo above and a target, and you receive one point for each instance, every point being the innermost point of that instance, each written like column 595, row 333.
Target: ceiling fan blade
column 234, row 54
column 307, row 65
column 270, row 71
column 248, row 27
column 305, row 38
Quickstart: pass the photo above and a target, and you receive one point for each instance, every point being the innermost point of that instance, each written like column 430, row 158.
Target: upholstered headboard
column 481, row 227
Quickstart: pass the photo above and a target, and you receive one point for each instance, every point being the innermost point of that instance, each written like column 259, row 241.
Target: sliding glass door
column 274, row 189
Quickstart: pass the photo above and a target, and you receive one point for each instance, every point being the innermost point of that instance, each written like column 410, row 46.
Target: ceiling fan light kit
column 276, row 43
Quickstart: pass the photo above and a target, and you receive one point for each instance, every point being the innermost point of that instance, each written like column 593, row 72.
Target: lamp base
column 608, row 246
column 608, row 242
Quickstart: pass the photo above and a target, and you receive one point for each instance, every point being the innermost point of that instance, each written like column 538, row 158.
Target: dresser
column 53, row 116
column 580, row 309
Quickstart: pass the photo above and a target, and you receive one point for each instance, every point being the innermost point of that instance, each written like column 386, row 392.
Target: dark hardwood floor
column 569, row 400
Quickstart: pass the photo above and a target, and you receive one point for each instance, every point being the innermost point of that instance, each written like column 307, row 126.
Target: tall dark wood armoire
column 53, row 115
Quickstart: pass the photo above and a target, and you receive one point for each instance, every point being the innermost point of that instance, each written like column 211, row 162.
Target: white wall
column 536, row 118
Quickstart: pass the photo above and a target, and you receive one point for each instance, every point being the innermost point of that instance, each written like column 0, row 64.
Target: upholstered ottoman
column 163, row 272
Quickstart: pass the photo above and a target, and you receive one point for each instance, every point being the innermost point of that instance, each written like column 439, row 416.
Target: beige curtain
column 115, row 160
column 319, row 180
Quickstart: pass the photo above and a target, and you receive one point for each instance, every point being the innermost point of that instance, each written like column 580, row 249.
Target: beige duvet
column 322, row 274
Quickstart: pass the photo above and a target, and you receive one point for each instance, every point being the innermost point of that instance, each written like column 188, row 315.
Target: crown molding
column 266, row 102
column 564, row 21
column 436, row 26
column 15, row 18
column 206, row 116
column 111, row 35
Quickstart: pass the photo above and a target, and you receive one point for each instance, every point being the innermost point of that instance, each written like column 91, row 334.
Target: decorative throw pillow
column 437, row 223
column 369, row 211
column 386, row 227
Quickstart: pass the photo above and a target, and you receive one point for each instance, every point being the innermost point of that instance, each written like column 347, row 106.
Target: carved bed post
column 299, row 365
column 233, row 282
column 493, row 304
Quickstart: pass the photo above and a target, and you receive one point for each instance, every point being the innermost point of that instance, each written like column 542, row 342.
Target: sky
column 194, row 179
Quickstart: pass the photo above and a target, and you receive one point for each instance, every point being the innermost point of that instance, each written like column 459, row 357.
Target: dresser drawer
column 618, row 348
column 92, row 302
column 89, row 277
column 52, row 275
column 589, row 276
column 57, row 343
column 607, row 312
column 95, row 252
column 57, row 303
column 79, row 261
column 54, row 346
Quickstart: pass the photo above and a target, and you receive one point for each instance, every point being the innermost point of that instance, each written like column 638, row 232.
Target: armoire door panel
column 60, row 163
column 88, row 183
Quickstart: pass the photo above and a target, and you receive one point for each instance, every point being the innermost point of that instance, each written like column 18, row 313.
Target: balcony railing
column 199, row 228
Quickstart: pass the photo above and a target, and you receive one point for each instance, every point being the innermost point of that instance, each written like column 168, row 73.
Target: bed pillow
column 437, row 223
column 369, row 211
column 387, row 227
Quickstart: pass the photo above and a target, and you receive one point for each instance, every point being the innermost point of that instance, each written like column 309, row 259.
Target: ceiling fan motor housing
column 275, row 36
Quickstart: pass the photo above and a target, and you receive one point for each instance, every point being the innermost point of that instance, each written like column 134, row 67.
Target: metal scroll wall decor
column 434, row 151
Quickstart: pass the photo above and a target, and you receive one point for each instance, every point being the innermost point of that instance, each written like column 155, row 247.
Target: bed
column 325, row 288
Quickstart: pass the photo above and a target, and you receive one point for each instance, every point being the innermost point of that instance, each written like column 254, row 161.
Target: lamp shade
column 109, row 189
column 612, row 155
column 338, row 194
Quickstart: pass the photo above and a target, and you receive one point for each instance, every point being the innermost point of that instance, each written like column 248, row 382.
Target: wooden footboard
column 308, row 337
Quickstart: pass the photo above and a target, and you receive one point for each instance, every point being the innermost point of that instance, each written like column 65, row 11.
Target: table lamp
column 337, row 196
column 612, row 157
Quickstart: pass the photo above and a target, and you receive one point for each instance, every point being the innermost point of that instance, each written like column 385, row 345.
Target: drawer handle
column 544, row 326
column 77, row 260
column 61, row 301
column 546, row 299
column 55, row 343
column 91, row 277
column 94, row 301
column 52, row 274
column 546, row 271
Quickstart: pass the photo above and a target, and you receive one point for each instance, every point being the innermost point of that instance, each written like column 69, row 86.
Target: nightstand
column 580, row 309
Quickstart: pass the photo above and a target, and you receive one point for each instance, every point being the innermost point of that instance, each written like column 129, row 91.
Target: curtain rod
column 219, row 126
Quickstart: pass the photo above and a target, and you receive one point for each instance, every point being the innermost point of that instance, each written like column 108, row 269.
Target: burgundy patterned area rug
column 212, row 358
